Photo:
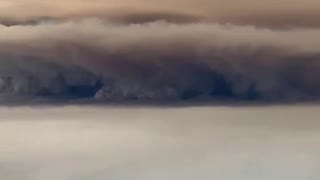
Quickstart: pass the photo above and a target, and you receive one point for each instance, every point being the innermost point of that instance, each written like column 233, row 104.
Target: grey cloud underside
column 158, row 61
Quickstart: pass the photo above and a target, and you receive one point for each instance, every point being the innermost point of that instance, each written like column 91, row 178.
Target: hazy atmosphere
column 266, row 13
column 72, row 143
column 159, row 50
column 159, row 90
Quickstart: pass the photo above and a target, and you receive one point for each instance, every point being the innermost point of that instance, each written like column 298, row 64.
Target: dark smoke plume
column 107, row 61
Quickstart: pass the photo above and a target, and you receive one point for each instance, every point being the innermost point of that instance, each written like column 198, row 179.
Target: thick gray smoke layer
column 108, row 61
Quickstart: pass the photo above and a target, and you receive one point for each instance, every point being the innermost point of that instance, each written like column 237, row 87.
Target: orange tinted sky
column 251, row 11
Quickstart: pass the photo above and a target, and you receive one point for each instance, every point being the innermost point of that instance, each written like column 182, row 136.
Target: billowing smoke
column 109, row 61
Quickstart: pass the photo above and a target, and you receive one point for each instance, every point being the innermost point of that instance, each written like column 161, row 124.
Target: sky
column 266, row 13
column 159, row 50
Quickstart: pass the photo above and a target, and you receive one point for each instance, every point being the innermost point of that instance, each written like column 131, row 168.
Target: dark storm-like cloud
column 158, row 61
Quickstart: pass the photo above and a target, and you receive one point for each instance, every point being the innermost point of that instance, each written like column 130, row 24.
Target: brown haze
column 278, row 13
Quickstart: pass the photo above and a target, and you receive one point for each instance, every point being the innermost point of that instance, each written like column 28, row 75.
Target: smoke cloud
column 266, row 13
column 112, row 61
